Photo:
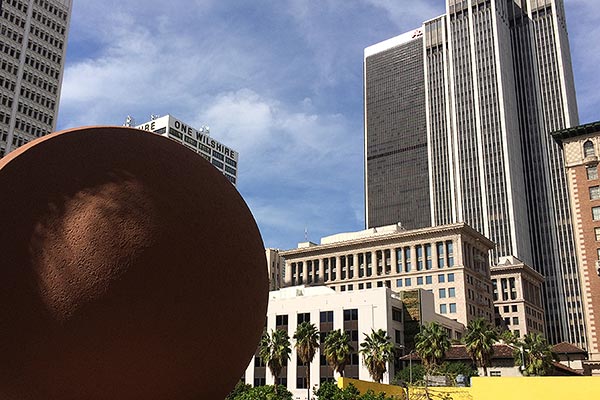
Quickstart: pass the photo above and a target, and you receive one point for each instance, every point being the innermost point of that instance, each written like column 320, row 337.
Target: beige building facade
column 581, row 146
column 517, row 296
column 450, row 261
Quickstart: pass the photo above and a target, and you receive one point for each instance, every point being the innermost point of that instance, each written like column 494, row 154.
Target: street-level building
column 581, row 146
column 222, row 157
column 357, row 313
column 457, row 119
column 450, row 261
column 33, row 46
column 518, row 296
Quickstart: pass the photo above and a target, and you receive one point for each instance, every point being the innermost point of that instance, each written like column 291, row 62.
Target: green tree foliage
column 263, row 393
column 509, row 337
column 239, row 389
column 431, row 345
column 275, row 351
column 307, row 343
column 330, row 391
column 337, row 349
column 537, row 353
column 479, row 342
column 450, row 369
column 377, row 351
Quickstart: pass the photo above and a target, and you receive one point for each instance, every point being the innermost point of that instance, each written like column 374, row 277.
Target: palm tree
column 377, row 351
column 431, row 345
column 337, row 349
column 275, row 351
column 307, row 342
column 479, row 342
column 537, row 355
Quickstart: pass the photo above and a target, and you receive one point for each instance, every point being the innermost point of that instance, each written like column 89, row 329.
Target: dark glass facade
column 396, row 170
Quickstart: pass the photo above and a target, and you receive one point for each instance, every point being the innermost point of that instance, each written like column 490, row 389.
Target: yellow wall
column 518, row 388
column 391, row 391
column 531, row 388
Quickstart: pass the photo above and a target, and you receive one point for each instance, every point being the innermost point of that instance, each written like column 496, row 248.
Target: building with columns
column 518, row 296
column 581, row 147
column 450, row 261
column 356, row 313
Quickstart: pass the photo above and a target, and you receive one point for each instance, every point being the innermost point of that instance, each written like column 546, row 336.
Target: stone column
column 394, row 261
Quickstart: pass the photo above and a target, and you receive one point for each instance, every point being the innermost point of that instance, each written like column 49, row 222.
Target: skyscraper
column 497, row 79
column 33, row 45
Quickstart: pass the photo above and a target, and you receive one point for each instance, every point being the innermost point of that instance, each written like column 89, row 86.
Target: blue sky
column 280, row 81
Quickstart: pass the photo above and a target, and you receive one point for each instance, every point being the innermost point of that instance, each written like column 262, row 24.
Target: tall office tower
column 497, row 80
column 397, row 188
column 33, row 45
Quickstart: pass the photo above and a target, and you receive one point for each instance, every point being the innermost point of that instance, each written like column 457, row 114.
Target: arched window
column 588, row 149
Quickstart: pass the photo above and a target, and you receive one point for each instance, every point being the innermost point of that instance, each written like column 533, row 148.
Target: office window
column 443, row 309
column 594, row 192
column 301, row 383
column 368, row 285
column 428, row 260
column 597, row 234
column 361, row 286
column 506, row 308
column 442, row 293
column 351, row 315
column 303, row 317
column 440, row 254
column 515, row 320
column 407, row 282
column 588, row 149
column 407, row 260
column 428, row 280
column 592, row 172
column 326, row 316
column 441, row 278
column 399, row 260
column 399, row 282
column 452, row 307
column 451, row 292
column 396, row 314
column 419, row 250
column 450, row 253
column 281, row 320
column 451, row 277
column 419, row 280
column 514, row 308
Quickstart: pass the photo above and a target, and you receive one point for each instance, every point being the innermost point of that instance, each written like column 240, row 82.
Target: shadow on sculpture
column 130, row 269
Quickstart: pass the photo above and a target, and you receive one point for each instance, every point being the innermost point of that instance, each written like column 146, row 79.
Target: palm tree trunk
column 484, row 370
column 308, row 380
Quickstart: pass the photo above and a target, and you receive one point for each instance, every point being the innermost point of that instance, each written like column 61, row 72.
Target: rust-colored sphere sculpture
column 130, row 269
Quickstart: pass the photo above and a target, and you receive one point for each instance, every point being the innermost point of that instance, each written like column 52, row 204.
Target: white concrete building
column 357, row 313
column 33, row 46
column 222, row 157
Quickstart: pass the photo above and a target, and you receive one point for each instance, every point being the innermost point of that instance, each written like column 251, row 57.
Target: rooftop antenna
column 154, row 116
column 129, row 121
column 305, row 234
column 205, row 129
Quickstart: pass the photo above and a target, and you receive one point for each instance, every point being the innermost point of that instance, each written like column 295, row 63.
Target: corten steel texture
column 129, row 269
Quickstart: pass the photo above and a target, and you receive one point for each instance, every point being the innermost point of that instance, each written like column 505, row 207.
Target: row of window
column 448, row 308
column 40, row 33
column 51, row 8
column 427, row 280
column 40, row 82
column 49, row 22
column 350, row 314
